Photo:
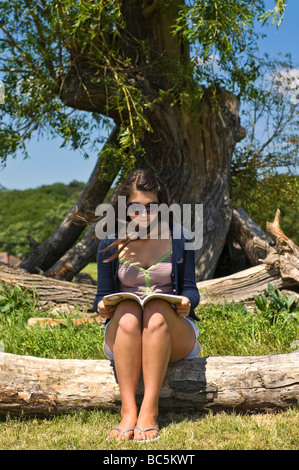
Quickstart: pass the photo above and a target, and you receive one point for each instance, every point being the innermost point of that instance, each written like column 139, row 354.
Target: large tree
column 142, row 69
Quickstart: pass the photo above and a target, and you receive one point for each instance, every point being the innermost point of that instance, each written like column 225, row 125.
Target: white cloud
column 212, row 59
column 287, row 82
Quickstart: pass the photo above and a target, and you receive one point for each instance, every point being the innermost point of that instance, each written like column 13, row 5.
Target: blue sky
column 48, row 163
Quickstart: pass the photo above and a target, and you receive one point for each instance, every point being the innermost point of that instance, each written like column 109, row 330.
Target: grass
column 272, row 327
column 92, row 270
column 88, row 431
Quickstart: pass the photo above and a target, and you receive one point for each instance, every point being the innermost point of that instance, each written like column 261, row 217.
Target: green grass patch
column 92, row 270
column 59, row 342
column 179, row 431
column 271, row 328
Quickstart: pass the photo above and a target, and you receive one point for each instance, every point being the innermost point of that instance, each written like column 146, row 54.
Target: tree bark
column 250, row 236
column 275, row 261
column 31, row 386
column 76, row 258
column 51, row 292
column 190, row 145
column 241, row 286
column 193, row 158
column 46, row 254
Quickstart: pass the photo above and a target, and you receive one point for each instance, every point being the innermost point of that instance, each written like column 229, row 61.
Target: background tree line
column 33, row 212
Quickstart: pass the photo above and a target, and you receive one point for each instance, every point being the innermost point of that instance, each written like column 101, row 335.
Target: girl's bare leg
column 123, row 336
column 165, row 338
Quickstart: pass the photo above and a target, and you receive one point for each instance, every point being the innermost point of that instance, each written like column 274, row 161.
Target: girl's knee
column 155, row 315
column 129, row 315
column 159, row 307
column 128, row 307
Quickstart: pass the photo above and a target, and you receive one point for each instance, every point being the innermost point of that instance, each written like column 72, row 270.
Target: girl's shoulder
column 106, row 241
column 103, row 247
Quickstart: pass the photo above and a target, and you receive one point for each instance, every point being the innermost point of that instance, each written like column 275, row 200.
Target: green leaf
column 290, row 300
column 261, row 302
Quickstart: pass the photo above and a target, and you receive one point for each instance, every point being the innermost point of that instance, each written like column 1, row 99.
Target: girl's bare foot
column 146, row 428
column 125, row 429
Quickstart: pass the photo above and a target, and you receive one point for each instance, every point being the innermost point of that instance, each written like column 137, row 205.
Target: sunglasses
column 135, row 208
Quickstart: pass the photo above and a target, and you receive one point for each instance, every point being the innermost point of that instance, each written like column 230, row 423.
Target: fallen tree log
column 66, row 296
column 250, row 236
column 278, row 263
column 31, row 386
column 45, row 321
column 51, row 292
column 241, row 286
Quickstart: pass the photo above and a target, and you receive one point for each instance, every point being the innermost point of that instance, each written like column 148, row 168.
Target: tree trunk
column 32, row 386
column 193, row 156
column 190, row 145
column 195, row 166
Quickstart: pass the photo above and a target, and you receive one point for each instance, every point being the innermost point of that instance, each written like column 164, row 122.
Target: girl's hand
column 183, row 308
column 106, row 311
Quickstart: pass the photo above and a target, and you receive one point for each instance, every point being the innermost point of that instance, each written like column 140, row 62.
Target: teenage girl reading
column 146, row 339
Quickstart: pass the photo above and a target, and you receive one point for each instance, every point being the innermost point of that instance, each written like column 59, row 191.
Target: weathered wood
column 289, row 262
column 193, row 158
column 279, row 262
column 286, row 244
column 46, row 321
column 249, row 235
column 35, row 386
column 60, row 294
column 240, row 286
column 76, row 258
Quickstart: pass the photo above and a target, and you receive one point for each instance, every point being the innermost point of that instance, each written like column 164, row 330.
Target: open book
column 114, row 299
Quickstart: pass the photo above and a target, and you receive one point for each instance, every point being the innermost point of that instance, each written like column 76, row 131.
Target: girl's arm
column 190, row 289
column 105, row 283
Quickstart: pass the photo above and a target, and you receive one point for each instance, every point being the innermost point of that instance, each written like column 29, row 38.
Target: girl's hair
column 141, row 180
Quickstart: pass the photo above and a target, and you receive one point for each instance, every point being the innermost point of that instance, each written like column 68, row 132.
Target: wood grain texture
column 36, row 386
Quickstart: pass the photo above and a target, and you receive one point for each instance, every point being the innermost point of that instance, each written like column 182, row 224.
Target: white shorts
column 194, row 353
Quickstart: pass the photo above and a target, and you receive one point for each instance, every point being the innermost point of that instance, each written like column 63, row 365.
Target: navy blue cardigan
column 182, row 274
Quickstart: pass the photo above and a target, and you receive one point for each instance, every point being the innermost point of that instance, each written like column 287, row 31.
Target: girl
column 146, row 339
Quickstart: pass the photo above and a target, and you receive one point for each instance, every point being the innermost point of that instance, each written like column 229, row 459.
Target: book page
column 114, row 299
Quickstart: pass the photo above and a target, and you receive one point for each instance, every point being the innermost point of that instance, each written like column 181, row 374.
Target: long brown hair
column 144, row 180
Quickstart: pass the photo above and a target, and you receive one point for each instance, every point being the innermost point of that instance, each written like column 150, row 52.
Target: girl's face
column 142, row 206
